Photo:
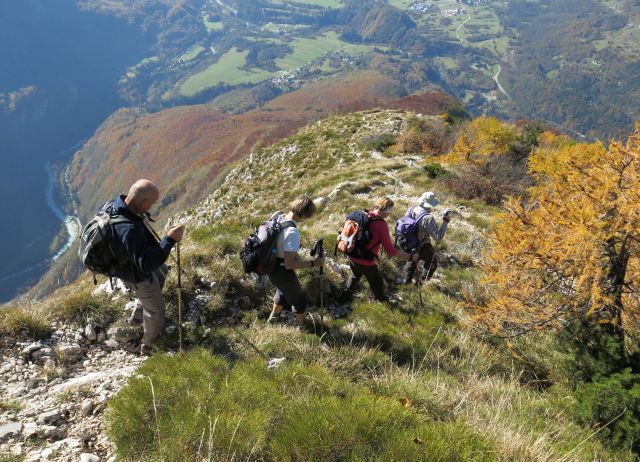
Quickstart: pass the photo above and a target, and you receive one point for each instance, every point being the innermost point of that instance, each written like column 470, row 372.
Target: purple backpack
column 407, row 230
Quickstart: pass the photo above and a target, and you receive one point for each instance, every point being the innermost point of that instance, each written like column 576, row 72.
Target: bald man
column 145, row 271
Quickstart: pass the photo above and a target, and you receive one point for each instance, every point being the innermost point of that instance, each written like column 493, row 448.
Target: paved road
column 495, row 79
column 461, row 25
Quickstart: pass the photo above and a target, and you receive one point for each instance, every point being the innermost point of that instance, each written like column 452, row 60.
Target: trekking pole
column 419, row 284
column 321, row 251
column 420, row 281
column 179, row 297
column 318, row 249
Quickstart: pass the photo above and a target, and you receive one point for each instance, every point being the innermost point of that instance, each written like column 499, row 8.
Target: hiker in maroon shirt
column 369, row 268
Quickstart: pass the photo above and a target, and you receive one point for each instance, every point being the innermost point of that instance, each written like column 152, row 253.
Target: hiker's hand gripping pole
column 157, row 237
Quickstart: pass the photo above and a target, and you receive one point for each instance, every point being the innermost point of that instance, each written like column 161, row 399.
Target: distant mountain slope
column 185, row 148
column 572, row 63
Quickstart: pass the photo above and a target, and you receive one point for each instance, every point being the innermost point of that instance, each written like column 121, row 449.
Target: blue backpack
column 407, row 230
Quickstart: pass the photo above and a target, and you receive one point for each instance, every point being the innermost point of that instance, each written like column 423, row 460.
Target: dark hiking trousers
column 429, row 264
column 374, row 278
column 289, row 292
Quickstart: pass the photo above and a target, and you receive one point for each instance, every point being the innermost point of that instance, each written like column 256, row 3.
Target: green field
column 324, row 3
column 226, row 70
column 306, row 50
column 192, row 53
column 265, row 40
column 401, row 4
column 212, row 25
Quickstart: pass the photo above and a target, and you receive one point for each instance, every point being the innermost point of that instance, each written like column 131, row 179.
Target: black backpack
column 354, row 235
column 96, row 251
column 259, row 254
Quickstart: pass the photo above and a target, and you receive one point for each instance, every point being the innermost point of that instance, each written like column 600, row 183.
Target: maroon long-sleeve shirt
column 380, row 238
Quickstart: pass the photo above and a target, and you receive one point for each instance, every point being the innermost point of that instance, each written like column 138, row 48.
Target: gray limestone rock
column 69, row 353
column 86, row 457
column 26, row 352
column 10, row 430
column 87, row 407
column 111, row 343
column 29, row 430
column 42, row 353
column 122, row 334
column 49, row 417
column 90, row 333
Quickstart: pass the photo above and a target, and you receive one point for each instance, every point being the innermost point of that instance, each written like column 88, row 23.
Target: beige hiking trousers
column 151, row 306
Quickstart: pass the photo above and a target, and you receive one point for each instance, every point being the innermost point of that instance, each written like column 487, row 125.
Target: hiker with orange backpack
column 362, row 236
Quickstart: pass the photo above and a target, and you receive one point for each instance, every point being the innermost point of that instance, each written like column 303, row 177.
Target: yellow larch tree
column 570, row 251
column 481, row 138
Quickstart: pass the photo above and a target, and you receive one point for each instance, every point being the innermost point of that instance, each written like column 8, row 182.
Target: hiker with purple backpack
column 414, row 232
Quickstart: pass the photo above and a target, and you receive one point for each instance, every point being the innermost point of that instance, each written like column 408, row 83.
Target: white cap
column 428, row 200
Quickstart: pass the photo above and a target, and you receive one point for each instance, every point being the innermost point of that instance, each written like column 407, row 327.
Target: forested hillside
column 570, row 63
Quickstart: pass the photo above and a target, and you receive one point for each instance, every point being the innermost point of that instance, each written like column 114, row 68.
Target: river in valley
column 59, row 72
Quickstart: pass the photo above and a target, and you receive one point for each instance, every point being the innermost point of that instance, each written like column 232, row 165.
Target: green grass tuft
column 197, row 406
column 80, row 306
column 29, row 320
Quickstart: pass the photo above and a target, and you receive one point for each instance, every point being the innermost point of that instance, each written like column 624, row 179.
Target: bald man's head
column 142, row 195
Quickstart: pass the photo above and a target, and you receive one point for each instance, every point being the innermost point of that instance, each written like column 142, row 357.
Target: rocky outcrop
column 54, row 394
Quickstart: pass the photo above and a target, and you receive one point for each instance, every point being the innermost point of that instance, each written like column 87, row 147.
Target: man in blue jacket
column 146, row 272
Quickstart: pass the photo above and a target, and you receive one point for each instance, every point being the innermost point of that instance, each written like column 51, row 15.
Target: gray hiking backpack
column 96, row 252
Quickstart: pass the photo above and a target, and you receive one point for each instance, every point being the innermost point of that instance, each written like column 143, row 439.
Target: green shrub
column 15, row 320
column 435, row 170
column 199, row 407
column 613, row 404
column 456, row 113
column 378, row 142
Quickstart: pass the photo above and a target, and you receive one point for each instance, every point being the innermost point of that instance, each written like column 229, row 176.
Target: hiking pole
column 179, row 296
column 419, row 284
column 318, row 249
column 272, row 363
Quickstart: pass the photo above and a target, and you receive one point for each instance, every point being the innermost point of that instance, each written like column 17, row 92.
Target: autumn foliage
column 482, row 138
column 570, row 252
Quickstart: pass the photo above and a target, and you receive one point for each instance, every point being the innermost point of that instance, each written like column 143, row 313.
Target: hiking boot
column 275, row 318
column 340, row 310
column 390, row 300
column 145, row 350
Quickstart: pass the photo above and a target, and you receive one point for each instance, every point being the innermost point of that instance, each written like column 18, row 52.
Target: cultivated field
column 227, row 70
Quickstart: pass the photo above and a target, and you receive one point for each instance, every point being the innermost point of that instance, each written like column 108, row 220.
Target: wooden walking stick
column 179, row 296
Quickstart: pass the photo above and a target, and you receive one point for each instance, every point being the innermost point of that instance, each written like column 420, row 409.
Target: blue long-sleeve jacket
column 134, row 242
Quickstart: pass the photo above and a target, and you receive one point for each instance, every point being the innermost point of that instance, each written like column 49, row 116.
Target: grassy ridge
column 411, row 382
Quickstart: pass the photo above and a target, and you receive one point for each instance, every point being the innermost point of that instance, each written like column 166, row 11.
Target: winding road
column 461, row 26
column 495, row 79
